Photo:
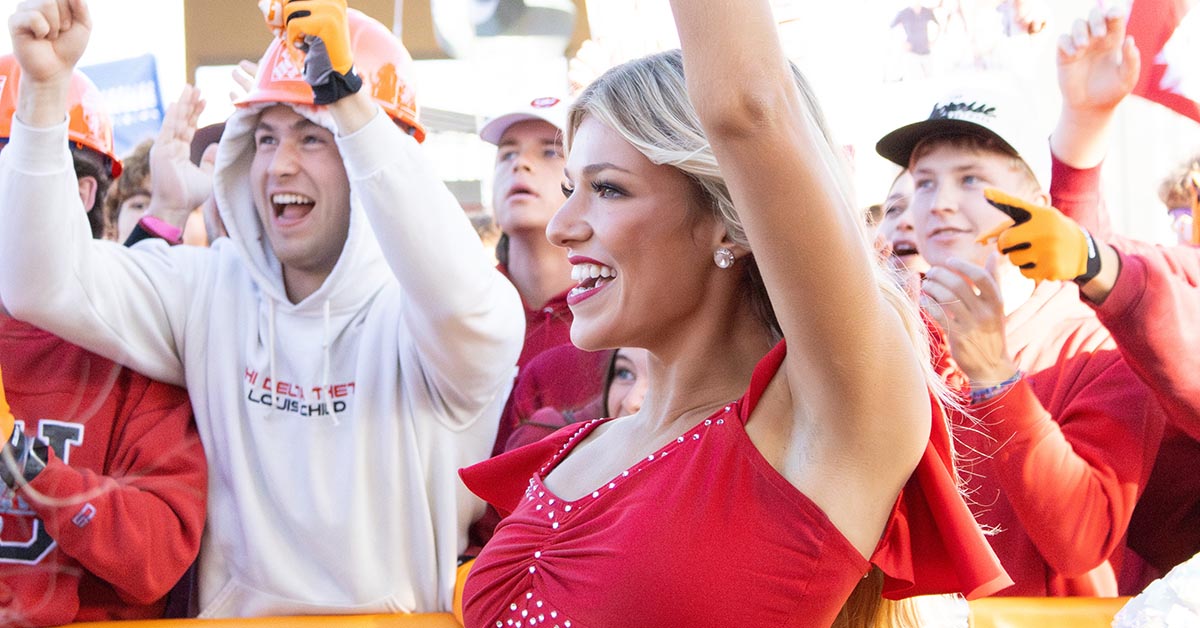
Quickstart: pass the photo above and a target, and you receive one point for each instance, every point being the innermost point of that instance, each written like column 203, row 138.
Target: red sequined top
column 705, row 532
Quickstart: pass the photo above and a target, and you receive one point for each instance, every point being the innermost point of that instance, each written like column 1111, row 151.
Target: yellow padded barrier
column 996, row 612
column 420, row 620
column 1038, row 612
column 461, row 580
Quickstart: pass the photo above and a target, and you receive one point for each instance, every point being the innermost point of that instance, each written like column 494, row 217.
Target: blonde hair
column 645, row 101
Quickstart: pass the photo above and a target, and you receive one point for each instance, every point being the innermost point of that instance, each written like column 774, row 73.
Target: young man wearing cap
column 1065, row 436
column 102, row 509
column 348, row 347
column 526, row 192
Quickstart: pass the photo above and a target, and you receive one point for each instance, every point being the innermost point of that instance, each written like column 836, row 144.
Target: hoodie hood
column 361, row 269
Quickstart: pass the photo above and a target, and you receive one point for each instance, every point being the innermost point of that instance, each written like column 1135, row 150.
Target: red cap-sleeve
column 501, row 481
column 932, row 544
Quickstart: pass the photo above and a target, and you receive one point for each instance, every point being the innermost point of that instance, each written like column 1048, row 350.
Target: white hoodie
column 413, row 338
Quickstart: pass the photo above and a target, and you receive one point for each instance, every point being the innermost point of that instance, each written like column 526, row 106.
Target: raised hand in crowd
column 243, row 77
column 1042, row 242
column 48, row 39
column 965, row 299
column 177, row 185
column 1098, row 67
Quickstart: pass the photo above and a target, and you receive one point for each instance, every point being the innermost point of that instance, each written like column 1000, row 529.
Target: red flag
column 1153, row 23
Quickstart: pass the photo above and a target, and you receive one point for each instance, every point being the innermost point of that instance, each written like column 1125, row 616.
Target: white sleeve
column 465, row 318
column 123, row 304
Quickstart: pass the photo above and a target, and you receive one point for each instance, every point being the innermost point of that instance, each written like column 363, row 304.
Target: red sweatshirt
column 1150, row 313
column 1063, row 455
column 546, row 328
column 115, row 518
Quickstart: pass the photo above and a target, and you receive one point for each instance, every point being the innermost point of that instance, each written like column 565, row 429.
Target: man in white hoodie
column 347, row 348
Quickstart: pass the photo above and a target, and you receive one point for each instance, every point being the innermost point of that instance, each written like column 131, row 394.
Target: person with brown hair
column 1179, row 192
column 128, row 197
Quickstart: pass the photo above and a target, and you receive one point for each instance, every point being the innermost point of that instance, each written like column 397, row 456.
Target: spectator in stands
column 347, row 347
column 665, row 261
column 627, row 382
column 103, row 473
column 896, row 228
column 1065, row 438
column 1178, row 192
column 90, row 135
column 129, row 196
column 526, row 191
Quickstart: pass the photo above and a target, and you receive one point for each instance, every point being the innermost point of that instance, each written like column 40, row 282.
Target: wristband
column 336, row 87
column 1093, row 260
column 160, row 228
column 979, row 395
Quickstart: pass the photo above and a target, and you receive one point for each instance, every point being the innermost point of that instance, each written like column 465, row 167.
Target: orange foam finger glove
column 322, row 29
column 1042, row 242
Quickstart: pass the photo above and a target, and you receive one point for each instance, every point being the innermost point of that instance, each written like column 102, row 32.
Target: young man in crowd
column 348, row 347
column 1064, row 437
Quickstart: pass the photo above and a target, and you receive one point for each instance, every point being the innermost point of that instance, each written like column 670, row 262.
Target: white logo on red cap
column 285, row 69
column 545, row 102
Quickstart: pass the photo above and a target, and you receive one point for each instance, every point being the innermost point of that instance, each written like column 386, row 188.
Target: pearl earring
column 723, row 258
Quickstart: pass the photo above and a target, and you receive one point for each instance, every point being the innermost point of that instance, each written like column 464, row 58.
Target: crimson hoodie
column 115, row 518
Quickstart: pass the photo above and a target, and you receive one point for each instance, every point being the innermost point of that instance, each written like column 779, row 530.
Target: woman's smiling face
column 641, row 248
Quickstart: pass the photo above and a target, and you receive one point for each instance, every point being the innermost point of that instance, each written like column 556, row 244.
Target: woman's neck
column 704, row 368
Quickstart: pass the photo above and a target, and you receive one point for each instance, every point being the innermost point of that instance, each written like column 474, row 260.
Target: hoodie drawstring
column 271, row 349
column 326, row 386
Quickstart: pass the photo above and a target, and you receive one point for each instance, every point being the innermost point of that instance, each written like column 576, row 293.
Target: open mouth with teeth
column 903, row 248
column 591, row 278
column 291, row 207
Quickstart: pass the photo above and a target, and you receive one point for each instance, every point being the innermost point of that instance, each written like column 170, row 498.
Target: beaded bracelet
column 984, row 394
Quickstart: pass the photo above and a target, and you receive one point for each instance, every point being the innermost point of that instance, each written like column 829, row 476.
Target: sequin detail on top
column 532, row 611
column 537, row 488
column 528, row 609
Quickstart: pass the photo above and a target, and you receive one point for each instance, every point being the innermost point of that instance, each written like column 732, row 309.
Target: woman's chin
column 588, row 338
